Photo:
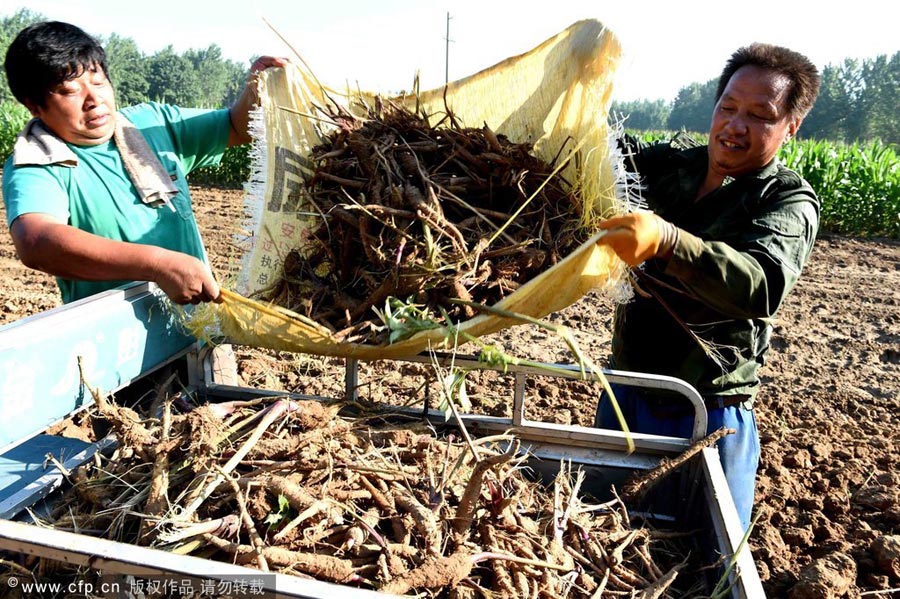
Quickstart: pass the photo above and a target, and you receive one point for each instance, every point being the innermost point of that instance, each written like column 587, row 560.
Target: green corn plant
column 13, row 117
column 858, row 184
column 232, row 172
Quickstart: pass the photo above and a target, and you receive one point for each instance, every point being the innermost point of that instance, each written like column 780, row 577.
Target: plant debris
column 370, row 500
column 421, row 213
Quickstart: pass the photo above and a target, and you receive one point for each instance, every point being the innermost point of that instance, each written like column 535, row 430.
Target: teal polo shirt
column 98, row 197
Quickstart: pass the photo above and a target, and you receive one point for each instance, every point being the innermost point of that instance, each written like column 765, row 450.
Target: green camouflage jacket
column 707, row 315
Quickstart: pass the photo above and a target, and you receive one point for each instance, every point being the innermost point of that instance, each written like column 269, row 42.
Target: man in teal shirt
column 75, row 188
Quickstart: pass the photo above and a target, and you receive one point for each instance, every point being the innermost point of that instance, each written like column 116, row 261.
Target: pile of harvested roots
column 422, row 213
column 292, row 486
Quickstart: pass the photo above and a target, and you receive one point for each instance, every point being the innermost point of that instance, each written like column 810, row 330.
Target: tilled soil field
column 828, row 493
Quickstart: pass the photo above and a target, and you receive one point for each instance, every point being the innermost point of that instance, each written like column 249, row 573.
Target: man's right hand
column 639, row 236
column 185, row 279
column 46, row 244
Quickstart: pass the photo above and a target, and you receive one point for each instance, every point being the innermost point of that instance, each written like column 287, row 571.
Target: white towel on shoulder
column 142, row 165
column 37, row 145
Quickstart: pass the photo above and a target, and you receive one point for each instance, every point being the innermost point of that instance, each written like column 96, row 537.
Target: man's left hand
column 264, row 62
column 239, row 113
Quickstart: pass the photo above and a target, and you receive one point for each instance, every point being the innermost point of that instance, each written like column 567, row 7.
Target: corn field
column 858, row 184
column 13, row 117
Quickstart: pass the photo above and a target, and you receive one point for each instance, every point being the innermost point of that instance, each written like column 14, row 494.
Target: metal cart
column 124, row 336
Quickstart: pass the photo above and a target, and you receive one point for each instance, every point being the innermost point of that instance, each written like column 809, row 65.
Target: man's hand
column 240, row 110
column 45, row 243
column 264, row 62
column 259, row 65
column 639, row 236
column 185, row 279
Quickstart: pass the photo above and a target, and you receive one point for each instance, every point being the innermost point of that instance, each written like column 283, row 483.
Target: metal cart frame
column 122, row 336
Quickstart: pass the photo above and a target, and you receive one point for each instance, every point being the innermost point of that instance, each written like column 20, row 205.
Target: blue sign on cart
column 118, row 336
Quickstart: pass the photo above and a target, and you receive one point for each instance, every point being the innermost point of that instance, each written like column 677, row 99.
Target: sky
column 380, row 45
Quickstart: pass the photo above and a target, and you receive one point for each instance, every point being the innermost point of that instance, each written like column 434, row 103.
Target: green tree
column 858, row 102
column 831, row 111
column 853, row 85
column 128, row 70
column 211, row 75
column 172, row 79
column 645, row 115
column 879, row 99
column 237, row 78
column 9, row 29
column 692, row 108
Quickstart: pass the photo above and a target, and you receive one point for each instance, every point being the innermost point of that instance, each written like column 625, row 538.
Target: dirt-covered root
column 206, row 428
column 433, row 213
column 363, row 501
column 637, row 487
column 323, row 567
column 467, row 504
column 434, row 573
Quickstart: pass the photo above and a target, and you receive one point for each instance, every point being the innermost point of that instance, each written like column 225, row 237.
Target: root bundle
column 366, row 500
column 425, row 214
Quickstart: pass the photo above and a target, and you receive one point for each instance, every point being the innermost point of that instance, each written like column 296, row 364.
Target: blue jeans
column 739, row 453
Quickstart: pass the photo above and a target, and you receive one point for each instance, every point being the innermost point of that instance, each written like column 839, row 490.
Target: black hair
column 45, row 54
column 803, row 76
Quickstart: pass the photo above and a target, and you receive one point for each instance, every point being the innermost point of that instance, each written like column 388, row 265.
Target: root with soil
column 370, row 500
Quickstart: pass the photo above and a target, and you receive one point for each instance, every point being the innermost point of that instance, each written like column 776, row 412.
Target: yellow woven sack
column 554, row 96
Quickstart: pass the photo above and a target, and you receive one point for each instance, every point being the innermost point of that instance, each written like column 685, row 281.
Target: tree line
column 857, row 102
column 199, row 78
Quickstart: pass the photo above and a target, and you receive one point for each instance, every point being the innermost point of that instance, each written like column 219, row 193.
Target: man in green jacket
column 727, row 238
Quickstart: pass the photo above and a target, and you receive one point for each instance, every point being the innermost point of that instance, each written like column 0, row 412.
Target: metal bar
column 351, row 379
column 539, row 431
column 50, row 481
column 121, row 558
column 216, row 392
column 518, row 411
column 568, row 371
column 583, row 436
column 590, row 455
column 727, row 528
column 565, row 434
column 572, row 371
column 199, row 371
column 667, row 383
